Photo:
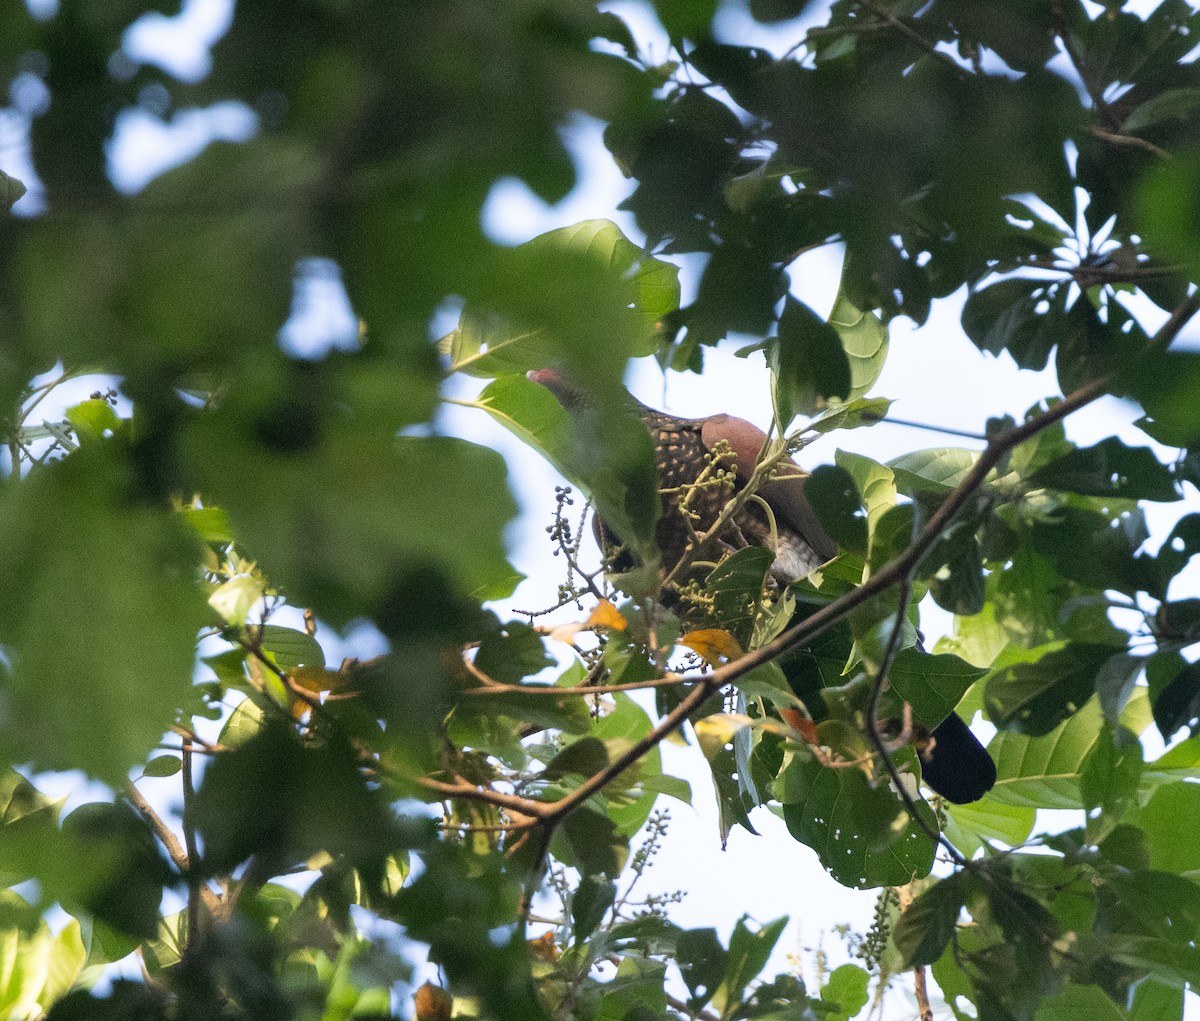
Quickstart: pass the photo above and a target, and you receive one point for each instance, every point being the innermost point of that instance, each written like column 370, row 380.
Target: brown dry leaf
column 432, row 1003
column 606, row 615
column 712, row 644
column 800, row 723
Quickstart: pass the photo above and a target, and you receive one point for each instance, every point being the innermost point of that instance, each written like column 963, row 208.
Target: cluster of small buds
column 560, row 529
column 871, row 947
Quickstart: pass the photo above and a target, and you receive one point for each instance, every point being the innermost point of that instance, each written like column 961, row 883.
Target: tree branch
column 193, row 854
column 892, row 573
column 895, row 572
column 167, row 837
column 911, row 34
column 1128, row 141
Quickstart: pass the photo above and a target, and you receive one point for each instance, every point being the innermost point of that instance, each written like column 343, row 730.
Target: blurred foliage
column 486, row 793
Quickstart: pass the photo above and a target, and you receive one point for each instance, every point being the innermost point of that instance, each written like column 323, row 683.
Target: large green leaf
column 1036, row 697
column 1045, row 771
column 92, row 681
column 607, row 289
column 1109, row 469
column 932, row 685
column 610, row 454
column 809, row 363
column 340, row 513
column 865, row 339
column 860, row 831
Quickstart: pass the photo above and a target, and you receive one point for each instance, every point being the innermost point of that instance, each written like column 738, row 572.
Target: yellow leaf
column 606, row 615
column 317, row 679
column 716, row 731
column 713, row 645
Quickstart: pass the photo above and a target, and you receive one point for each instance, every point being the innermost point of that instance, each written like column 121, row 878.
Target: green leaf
column 511, row 653
column 94, row 420
column 1035, row 697
column 863, row 411
column 969, row 826
column 777, row 10
column 862, row 833
column 609, row 455
column 1166, row 960
column 1109, row 469
column 11, row 191
column 928, row 923
column 210, row 523
column 1114, row 683
column 115, row 673
column 865, row 339
column 288, row 647
column 687, row 18
column 834, row 496
column 702, row 963
column 236, row 598
column 932, row 684
column 1079, row 1003
column 591, row 901
column 1174, row 692
column 343, row 514
column 589, row 842
column 1005, row 316
column 1154, row 1000
column 243, row 723
column 716, row 738
column 749, row 950
column 736, row 586
column 936, row 471
column 958, row 583
column 163, row 765
column 596, row 268
column 808, row 361
column 283, row 802
column 845, row 993
column 1109, row 781
column 122, row 883
column 1170, row 104
column 1044, row 772
column 1149, row 903
column 1165, row 384
column 1171, row 846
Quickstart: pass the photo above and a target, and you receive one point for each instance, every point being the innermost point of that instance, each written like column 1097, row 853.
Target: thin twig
column 908, row 423
column 1063, row 31
column 912, row 35
column 877, row 687
column 683, row 1008
column 167, row 837
column 193, row 854
column 498, row 688
column 888, row 575
column 1128, row 141
column 922, row 994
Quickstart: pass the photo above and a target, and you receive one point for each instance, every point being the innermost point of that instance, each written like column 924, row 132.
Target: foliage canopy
column 1042, row 159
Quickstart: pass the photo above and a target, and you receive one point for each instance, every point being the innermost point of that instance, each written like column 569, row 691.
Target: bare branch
column 167, row 837
column 193, row 854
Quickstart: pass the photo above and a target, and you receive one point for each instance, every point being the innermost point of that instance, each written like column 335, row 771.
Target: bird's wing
column 784, row 494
